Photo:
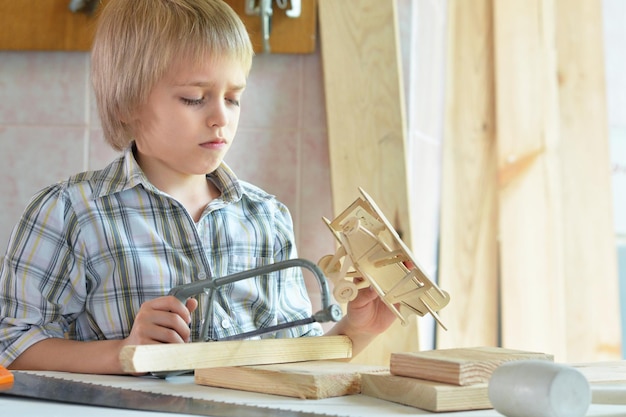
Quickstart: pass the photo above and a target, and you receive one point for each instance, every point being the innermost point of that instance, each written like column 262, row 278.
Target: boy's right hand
column 162, row 320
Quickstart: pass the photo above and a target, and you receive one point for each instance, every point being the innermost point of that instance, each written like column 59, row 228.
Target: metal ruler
column 28, row 385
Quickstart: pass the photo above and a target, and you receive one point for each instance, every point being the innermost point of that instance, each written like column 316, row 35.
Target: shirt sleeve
column 39, row 275
column 295, row 303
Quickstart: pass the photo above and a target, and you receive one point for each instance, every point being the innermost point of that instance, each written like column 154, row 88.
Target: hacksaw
column 329, row 312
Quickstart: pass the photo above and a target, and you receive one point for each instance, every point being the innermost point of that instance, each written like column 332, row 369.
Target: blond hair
column 137, row 41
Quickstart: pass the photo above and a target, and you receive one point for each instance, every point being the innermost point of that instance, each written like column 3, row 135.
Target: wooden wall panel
column 49, row 25
column 289, row 35
column 44, row 25
column 468, row 257
column 366, row 126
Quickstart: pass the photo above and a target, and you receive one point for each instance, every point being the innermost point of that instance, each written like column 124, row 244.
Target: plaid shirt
column 89, row 251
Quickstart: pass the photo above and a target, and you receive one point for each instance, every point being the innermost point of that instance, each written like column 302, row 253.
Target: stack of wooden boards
column 438, row 380
column 317, row 367
column 444, row 379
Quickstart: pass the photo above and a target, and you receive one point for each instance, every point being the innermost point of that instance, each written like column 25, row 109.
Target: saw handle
column 6, row 378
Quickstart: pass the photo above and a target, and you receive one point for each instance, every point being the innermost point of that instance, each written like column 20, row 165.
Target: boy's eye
column 233, row 101
column 192, row 101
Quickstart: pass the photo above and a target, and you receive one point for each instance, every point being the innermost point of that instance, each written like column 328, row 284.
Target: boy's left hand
column 368, row 313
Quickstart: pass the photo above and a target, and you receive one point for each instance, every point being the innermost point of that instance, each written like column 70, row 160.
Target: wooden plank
column 556, row 238
column 468, row 256
column 306, row 380
column 607, row 380
column 590, row 260
column 176, row 357
column 608, row 394
column 365, row 118
column 530, row 204
column 424, row 394
column 458, row 366
column 603, row 372
column 366, row 125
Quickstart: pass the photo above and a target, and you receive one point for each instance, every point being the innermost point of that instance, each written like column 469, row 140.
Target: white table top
column 348, row 406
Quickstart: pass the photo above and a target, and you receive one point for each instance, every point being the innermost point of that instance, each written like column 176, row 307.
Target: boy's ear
column 126, row 118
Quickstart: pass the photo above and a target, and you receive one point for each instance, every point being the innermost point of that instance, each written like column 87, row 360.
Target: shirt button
column 225, row 323
column 201, row 275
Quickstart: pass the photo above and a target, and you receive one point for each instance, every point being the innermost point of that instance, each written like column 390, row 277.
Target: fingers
column 364, row 297
column 163, row 320
column 173, row 305
column 159, row 328
column 191, row 304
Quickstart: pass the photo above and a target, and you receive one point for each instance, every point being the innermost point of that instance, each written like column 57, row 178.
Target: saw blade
column 27, row 385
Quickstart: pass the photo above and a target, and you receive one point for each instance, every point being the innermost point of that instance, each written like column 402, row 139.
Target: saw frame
column 329, row 311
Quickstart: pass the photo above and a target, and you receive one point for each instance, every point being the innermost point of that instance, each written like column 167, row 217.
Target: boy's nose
column 217, row 115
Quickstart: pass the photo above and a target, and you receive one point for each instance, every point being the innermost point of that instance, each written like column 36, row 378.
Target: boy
column 90, row 262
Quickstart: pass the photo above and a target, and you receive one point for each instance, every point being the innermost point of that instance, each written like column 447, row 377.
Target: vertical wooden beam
column 592, row 286
column 530, row 204
column 366, row 125
column 468, row 256
column 558, row 260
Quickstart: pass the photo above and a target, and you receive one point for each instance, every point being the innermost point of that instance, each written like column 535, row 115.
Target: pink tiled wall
column 49, row 129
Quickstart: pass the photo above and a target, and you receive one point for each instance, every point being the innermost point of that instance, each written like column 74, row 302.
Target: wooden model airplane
column 370, row 249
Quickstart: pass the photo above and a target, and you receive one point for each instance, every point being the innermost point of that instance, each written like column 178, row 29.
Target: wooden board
column 366, row 125
column 608, row 394
column 458, row 366
column 603, row 372
column 607, row 380
column 592, row 291
column 176, row 357
column 310, row 380
column 558, row 261
column 530, row 204
column 468, row 255
column 424, row 394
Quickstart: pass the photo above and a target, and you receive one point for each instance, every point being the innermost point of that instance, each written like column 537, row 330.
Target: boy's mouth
column 215, row 143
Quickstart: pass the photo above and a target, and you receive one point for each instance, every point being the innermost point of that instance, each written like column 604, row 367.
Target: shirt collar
column 124, row 173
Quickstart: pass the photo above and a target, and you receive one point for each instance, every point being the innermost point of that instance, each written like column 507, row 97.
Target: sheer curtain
column 422, row 26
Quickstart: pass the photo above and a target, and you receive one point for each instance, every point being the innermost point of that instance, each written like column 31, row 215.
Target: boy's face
column 190, row 118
